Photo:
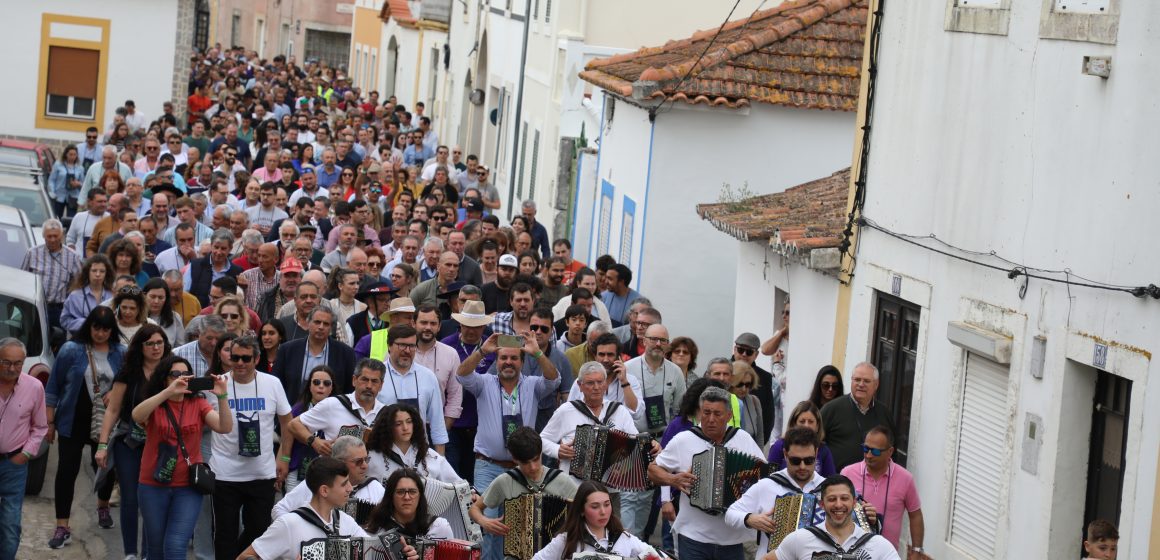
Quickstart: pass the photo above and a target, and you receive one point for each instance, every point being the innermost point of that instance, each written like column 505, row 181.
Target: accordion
column 451, row 502
column 598, row 556
column 446, row 549
column 358, row 509
column 533, row 520
column 796, row 511
column 617, row 459
column 332, row 548
column 723, row 475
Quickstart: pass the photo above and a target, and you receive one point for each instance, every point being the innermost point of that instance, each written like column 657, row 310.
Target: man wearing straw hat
column 473, row 326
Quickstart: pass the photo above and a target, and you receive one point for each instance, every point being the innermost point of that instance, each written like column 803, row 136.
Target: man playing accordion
column 838, row 537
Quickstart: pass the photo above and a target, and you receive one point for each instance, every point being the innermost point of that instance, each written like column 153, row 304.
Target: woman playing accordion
column 593, row 526
column 404, row 508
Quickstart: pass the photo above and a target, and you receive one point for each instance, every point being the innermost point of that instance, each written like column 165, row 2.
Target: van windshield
column 21, row 319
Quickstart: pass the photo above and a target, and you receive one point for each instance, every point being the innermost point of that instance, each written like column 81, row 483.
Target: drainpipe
column 519, row 109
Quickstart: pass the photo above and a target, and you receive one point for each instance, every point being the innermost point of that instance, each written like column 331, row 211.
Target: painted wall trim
column 639, row 269
column 46, row 40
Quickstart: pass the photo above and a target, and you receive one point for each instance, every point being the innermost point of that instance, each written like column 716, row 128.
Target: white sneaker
column 131, row 557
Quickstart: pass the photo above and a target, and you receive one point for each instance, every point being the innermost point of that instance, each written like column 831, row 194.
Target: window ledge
column 984, row 20
column 1091, row 28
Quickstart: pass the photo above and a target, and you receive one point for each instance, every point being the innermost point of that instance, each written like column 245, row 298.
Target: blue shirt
column 618, row 306
column 468, row 418
column 411, row 156
column 532, row 369
column 494, row 403
column 325, row 179
column 418, row 383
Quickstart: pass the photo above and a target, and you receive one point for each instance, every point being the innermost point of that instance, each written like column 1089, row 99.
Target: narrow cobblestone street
column 39, row 520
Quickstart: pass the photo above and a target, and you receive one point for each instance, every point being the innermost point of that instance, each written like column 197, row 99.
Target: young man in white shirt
column 838, row 533
column 701, row 535
column 246, row 470
column 367, row 490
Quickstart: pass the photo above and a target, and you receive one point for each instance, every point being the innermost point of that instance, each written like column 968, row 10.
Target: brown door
column 894, row 352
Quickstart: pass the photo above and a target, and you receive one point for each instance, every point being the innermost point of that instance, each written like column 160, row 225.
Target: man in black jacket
column 297, row 357
column 202, row 272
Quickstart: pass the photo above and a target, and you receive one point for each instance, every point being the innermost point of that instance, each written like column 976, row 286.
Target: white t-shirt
column 300, row 496
column 760, row 499
column 436, row 466
column 692, row 522
column 264, row 397
column 331, row 417
column 283, row 540
column 562, row 427
column 802, row 544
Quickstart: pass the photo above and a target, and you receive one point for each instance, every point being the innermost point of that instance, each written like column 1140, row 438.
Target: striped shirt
column 257, row 286
column 56, row 270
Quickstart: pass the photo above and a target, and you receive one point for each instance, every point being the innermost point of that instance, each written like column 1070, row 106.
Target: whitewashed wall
column 1000, row 143
column 140, row 68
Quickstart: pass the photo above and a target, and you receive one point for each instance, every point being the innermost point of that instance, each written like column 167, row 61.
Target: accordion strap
column 583, row 408
column 786, row 482
column 826, row 538
column 518, row 476
column 311, row 517
column 729, row 433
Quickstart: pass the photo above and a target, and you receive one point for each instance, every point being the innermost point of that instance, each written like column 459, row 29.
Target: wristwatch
column 310, row 440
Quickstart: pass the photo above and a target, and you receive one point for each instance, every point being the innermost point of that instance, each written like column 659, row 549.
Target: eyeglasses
column 374, row 264
column 828, row 385
column 796, row 461
column 405, row 346
column 746, row 351
column 873, row 451
column 348, row 174
column 90, row 137
column 176, row 373
column 540, row 328
column 642, row 324
column 11, row 364
column 657, row 339
column 154, row 343
column 681, row 350
column 242, row 358
column 321, row 382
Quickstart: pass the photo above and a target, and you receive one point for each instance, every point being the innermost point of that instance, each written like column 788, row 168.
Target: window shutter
column 73, row 72
column 981, row 445
column 535, row 163
column 523, row 161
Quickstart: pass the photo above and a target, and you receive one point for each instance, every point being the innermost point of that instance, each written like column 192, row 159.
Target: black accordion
column 532, row 520
column 358, row 509
column 608, row 455
column 723, row 475
column 451, row 502
column 332, row 548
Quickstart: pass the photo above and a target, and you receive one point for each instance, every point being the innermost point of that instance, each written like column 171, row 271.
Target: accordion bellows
column 617, row 459
column 451, row 502
column 723, row 475
column 532, row 520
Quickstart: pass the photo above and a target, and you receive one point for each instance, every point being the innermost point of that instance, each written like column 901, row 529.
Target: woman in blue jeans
column 121, row 436
column 169, row 503
column 81, row 378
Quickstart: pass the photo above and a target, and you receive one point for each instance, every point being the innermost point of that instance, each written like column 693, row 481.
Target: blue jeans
column 634, row 509
column 127, row 464
column 170, row 515
column 203, row 548
column 694, row 550
column 486, row 472
column 12, row 480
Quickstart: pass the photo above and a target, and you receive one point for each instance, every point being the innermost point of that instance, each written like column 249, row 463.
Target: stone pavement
column 89, row 542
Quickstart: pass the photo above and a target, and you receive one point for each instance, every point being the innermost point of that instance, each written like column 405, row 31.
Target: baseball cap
column 291, row 265
column 509, row 260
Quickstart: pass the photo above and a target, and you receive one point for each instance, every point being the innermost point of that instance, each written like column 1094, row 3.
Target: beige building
column 305, row 29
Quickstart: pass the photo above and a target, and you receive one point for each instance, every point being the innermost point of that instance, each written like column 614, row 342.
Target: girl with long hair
column 318, row 386
column 121, row 438
column 221, row 361
column 160, row 310
column 92, row 286
column 169, row 503
column 271, row 335
column 827, row 386
column 233, row 312
column 404, row 507
column 80, row 381
column 593, row 525
column 398, row 440
column 805, row 415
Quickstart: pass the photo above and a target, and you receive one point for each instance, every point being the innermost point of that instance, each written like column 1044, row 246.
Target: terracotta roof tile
column 802, row 218
column 803, row 53
column 398, row 10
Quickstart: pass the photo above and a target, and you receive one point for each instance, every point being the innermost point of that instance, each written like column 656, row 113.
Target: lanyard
column 234, row 386
column 391, row 371
column 886, row 498
column 644, row 383
column 514, row 399
column 306, row 358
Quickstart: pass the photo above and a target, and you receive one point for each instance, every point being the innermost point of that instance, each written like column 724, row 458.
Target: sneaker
column 60, row 537
column 104, row 518
column 131, row 557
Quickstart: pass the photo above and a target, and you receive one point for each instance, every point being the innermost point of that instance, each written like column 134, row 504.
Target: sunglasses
column 540, row 328
column 358, row 462
column 129, row 290
column 746, row 385
column 348, row 174
column 746, row 351
column 230, row 316
column 245, row 359
column 321, row 382
column 873, row 451
column 176, row 373
column 828, row 385
column 797, row 461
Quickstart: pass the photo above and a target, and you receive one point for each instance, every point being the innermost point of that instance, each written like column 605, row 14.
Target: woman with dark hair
column 81, row 378
column 398, row 440
column 441, row 187
column 160, row 310
column 305, row 157
column 318, row 386
column 92, row 286
column 529, row 262
column 169, row 503
column 683, row 352
column 346, row 181
column 805, row 415
column 221, row 361
column 593, row 525
column 129, row 306
column 402, row 277
column 123, row 436
column 271, row 335
column 126, row 259
column 827, row 386
column 64, row 184
column 404, row 507
column 519, row 224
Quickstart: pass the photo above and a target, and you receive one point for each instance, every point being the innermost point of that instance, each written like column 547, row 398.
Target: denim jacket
column 68, row 379
column 58, row 180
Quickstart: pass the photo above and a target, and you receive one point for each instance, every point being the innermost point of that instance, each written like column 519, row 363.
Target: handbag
column 200, row 476
column 98, row 418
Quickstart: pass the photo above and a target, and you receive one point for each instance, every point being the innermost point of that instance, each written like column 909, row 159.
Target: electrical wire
column 669, row 98
column 1016, row 271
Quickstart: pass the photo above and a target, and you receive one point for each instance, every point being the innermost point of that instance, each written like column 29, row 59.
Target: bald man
column 447, row 269
column 262, row 278
column 107, row 225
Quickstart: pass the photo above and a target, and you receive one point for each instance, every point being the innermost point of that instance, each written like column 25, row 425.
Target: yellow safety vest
column 379, row 345
column 735, row 404
column 325, row 94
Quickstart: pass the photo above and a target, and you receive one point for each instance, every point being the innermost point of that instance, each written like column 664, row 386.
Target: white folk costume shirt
column 692, row 522
column 625, row 545
column 380, row 465
column 262, row 400
column 562, row 426
column 283, row 540
column 300, row 496
column 333, row 418
column 760, row 498
column 802, row 544
column 614, row 392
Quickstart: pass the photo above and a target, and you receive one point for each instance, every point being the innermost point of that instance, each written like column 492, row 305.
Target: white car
column 23, row 316
column 16, row 236
column 20, row 189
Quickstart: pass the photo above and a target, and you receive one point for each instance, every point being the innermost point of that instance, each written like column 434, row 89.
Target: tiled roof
column 802, row 53
column 398, row 10
column 800, row 219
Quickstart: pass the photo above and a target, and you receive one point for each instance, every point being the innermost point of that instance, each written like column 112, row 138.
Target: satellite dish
column 476, row 96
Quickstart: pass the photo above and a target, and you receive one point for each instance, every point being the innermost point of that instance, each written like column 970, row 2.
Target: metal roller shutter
column 981, row 445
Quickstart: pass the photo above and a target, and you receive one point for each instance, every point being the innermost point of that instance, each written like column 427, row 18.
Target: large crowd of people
column 300, row 288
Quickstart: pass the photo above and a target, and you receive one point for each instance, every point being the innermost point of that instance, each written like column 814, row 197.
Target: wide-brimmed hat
column 473, row 315
column 374, row 289
column 452, row 289
column 402, row 305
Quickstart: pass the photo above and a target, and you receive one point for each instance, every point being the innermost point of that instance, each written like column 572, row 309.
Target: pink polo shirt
column 892, row 494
